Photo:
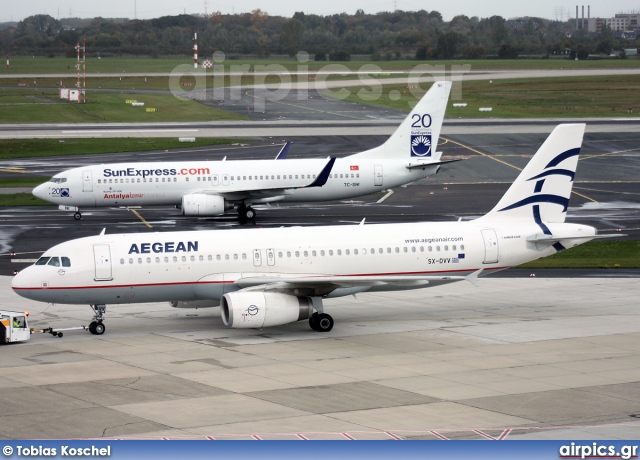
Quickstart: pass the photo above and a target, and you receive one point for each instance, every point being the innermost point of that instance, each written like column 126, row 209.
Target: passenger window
column 157, row 260
column 306, row 253
column 279, row 255
column 226, row 257
column 430, row 248
column 322, row 253
column 166, row 260
column 446, row 247
column 121, row 261
column 405, row 249
column 54, row 262
column 42, row 261
column 413, row 249
column 330, row 252
column 438, row 248
column 131, row 261
column 313, row 253
column 244, row 256
column 201, row 258
column 339, row 252
column 209, row 257
column 235, row 257
column 288, row 253
column 148, row 260
column 218, row 257
column 193, row 258
column 175, row 258
column 139, row 260
column 453, row 247
column 462, row 247
column 388, row 250
column 297, row 253
column 346, row 251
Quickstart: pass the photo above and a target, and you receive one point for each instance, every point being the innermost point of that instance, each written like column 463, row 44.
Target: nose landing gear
column 97, row 327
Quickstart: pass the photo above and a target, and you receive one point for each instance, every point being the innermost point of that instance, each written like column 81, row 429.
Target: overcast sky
column 15, row 10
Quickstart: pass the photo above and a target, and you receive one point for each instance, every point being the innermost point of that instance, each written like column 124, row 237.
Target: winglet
column 283, row 151
column 473, row 277
column 324, row 174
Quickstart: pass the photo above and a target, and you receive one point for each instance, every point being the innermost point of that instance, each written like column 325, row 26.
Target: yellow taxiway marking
column 14, row 169
column 141, row 218
column 508, row 164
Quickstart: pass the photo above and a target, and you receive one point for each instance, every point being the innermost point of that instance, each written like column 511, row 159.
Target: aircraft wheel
column 313, row 322
column 77, row 216
column 60, row 334
column 99, row 329
column 249, row 213
column 325, row 323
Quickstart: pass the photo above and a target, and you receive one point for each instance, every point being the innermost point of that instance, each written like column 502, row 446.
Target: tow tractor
column 14, row 327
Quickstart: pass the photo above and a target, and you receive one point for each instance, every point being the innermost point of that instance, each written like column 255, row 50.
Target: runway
column 519, row 358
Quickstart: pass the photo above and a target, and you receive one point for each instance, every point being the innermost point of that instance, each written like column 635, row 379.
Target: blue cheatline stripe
column 563, row 156
column 559, row 247
column 553, row 172
column 539, row 185
column 557, row 199
column 538, row 219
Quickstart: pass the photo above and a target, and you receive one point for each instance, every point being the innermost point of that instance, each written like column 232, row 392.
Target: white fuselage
column 166, row 183
column 189, row 266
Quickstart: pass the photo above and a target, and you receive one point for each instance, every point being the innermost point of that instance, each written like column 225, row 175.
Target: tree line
column 381, row 36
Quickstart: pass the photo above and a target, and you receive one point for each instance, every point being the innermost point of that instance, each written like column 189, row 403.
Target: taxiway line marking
column 393, row 436
column 438, row 435
column 348, row 436
column 485, row 435
column 504, row 434
column 141, row 218
column 302, row 437
column 509, row 164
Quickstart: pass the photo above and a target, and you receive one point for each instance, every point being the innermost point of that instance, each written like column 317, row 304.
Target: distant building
column 624, row 22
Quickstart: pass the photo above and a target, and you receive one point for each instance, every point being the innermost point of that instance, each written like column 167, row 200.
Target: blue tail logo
column 421, row 145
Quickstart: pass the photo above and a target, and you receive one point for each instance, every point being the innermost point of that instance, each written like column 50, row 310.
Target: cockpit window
column 58, row 180
column 42, row 261
column 54, row 262
column 66, row 262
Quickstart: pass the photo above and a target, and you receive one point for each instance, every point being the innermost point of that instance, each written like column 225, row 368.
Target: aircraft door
column 257, row 258
column 377, row 175
column 271, row 257
column 490, row 246
column 87, row 181
column 225, row 179
column 214, row 180
column 102, row 258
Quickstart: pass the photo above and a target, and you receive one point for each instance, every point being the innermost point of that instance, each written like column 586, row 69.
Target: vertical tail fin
column 417, row 136
column 541, row 191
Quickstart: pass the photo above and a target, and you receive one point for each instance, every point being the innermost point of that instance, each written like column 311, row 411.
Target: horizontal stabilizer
column 428, row 165
column 542, row 238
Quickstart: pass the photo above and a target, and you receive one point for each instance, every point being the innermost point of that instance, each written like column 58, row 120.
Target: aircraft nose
column 41, row 191
column 19, row 281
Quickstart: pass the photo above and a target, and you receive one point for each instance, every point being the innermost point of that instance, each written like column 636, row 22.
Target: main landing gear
column 97, row 326
column 77, row 215
column 246, row 212
column 321, row 322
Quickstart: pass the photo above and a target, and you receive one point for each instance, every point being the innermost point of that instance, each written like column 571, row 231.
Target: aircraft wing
column 323, row 284
column 232, row 193
column 282, row 155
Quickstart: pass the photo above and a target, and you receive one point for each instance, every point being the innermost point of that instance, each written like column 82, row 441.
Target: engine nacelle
column 263, row 309
column 195, row 303
column 200, row 204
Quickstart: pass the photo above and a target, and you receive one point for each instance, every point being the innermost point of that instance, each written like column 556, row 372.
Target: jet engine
column 263, row 309
column 195, row 304
column 200, row 204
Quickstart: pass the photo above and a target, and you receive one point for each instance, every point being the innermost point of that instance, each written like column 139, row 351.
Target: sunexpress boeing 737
column 271, row 277
column 209, row 188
